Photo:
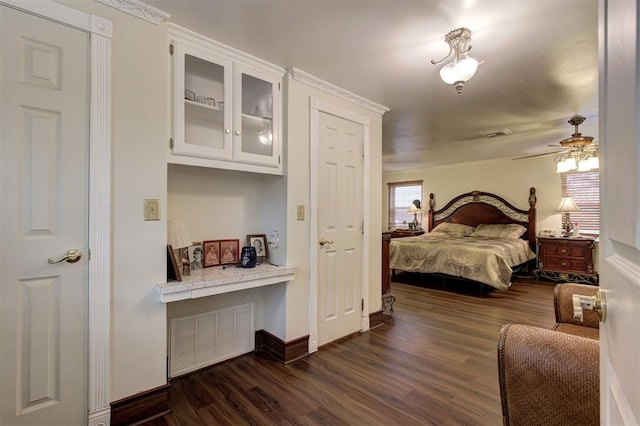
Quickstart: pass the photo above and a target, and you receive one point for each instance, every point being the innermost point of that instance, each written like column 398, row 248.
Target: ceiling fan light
column 562, row 167
column 570, row 164
column 594, row 162
column 584, row 165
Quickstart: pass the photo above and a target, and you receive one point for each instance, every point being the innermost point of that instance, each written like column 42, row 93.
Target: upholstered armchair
column 563, row 304
column 551, row 377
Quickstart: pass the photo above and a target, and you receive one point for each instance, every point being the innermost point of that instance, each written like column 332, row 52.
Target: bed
column 477, row 236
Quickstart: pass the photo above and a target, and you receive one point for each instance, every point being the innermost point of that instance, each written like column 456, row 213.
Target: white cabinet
column 227, row 106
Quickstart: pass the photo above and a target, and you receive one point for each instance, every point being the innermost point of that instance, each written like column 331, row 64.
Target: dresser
column 387, row 296
column 567, row 259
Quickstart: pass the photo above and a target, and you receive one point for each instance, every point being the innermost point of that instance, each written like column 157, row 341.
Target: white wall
column 297, row 128
column 219, row 204
column 507, row 178
column 139, row 136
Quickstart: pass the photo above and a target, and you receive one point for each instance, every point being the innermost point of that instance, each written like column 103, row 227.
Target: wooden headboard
column 476, row 207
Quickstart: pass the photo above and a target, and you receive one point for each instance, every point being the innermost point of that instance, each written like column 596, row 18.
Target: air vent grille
column 497, row 133
column 206, row 338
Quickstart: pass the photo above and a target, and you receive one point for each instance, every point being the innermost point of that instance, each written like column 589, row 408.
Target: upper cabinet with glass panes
column 227, row 106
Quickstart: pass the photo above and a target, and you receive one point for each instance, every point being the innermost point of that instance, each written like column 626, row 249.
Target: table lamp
column 566, row 206
column 178, row 239
column 415, row 208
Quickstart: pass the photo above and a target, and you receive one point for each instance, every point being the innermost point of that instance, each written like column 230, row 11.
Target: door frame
column 316, row 106
column 99, row 280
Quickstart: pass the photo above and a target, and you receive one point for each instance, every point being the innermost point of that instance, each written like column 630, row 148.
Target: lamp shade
column 568, row 205
column 177, row 236
column 461, row 69
column 415, row 207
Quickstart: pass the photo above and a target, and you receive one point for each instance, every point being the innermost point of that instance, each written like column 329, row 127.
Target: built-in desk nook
column 213, row 313
column 212, row 281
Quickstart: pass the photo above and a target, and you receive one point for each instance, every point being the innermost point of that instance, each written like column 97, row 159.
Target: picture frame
column 182, row 257
column 229, row 251
column 211, row 253
column 173, row 271
column 259, row 241
column 196, row 256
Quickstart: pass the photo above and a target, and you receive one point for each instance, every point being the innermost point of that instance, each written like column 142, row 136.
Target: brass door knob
column 71, row 256
column 322, row 241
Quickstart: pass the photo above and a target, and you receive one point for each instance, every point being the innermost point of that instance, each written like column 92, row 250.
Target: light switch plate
column 300, row 212
column 151, row 209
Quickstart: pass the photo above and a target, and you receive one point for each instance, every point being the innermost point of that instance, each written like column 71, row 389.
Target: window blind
column 401, row 195
column 584, row 188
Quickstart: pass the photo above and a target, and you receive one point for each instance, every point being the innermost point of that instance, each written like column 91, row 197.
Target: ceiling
column 539, row 66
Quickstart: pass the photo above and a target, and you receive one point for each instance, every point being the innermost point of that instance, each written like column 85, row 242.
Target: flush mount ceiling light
column 462, row 67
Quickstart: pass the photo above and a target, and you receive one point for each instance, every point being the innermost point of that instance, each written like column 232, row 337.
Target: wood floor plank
column 433, row 362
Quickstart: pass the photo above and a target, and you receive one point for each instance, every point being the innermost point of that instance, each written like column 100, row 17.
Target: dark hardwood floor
column 433, row 362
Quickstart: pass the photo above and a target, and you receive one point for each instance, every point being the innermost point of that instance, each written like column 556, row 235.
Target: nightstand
column 567, row 259
column 387, row 297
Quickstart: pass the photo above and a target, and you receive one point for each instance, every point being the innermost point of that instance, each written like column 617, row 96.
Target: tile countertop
column 215, row 280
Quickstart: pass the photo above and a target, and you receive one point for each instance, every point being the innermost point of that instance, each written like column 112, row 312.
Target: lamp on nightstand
column 415, row 209
column 566, row 206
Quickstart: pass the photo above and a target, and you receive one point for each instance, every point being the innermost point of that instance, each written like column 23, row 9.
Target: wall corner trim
column 139, row 10
column 325, row 86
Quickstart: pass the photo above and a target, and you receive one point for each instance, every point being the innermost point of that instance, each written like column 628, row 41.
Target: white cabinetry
column 227, row 106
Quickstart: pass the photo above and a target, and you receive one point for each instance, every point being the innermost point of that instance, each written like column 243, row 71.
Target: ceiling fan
column 578, row 152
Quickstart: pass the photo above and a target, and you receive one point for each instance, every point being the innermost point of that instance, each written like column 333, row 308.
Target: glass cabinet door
column 257, row 116
column 202, row 83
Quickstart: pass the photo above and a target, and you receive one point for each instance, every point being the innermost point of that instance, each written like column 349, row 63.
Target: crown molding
column 315, row 82
column 139, row 10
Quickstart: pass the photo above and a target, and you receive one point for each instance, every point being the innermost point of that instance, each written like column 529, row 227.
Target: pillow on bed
column 510, row 231
column 453, row 229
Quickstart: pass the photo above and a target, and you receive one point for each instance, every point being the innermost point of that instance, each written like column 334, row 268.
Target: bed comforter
column 486, row 260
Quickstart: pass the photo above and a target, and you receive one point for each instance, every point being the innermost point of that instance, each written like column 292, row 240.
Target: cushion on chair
column 547, row 377
column 578, row 330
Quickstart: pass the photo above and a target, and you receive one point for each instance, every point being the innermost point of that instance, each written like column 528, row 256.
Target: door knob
column 71, row 256
column 596, row 303
column 322, row 241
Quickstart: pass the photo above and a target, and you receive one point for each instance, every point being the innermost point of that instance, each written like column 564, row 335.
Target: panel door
column 620, row 213
column 340, row 180
column 44, row 92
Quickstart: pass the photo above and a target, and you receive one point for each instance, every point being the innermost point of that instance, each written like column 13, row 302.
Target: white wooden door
column 340, row 221
column 620, row 213
column 44, row 92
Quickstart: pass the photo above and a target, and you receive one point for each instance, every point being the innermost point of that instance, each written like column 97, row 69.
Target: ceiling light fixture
column 463, row 67
column 582, row 156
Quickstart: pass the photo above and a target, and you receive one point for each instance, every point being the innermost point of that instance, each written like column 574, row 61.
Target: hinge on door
column 171, row 143
column 362, row 227
column 278, row 159
column 89, row 254
column 278, row 86
column 171, row 49
column 362, row 149
column 362, row 304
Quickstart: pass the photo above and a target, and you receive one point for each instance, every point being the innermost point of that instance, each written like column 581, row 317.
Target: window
column 584, row 188
column 401, row 195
